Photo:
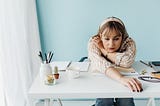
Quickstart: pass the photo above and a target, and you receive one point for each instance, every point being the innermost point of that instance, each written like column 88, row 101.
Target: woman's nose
column 111, row 43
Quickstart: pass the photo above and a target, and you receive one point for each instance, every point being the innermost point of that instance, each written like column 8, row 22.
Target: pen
column 40, row 55
column 150, row 64
column 69, row 64
column 158, row 72
column 146, row 63
column 50, row 57
column 46, row 58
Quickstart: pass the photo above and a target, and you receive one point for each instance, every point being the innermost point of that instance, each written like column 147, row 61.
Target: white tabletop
column 91, row 86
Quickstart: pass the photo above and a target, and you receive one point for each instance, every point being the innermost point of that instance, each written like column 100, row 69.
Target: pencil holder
column 45, row 70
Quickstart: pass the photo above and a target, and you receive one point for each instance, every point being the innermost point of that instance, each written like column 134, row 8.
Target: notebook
column 82, row 65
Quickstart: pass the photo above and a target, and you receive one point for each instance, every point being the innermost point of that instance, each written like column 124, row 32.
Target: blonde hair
column 110, row 24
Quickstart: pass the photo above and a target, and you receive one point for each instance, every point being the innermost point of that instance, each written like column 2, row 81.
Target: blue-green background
column 66, row 25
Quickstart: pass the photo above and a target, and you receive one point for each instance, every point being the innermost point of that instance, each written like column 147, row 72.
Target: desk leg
column 59, row 101
column 46, row 102
column 151, row 102
column 56, row 100
column 31, row 102
column 51, row 102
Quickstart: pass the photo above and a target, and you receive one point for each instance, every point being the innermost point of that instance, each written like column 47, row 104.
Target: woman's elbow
column 126, row 64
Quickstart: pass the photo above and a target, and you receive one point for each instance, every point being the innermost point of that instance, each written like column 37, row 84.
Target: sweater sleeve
column 126, row 57
column 98, row 62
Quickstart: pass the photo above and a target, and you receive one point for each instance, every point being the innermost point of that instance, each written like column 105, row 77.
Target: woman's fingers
column 133, row 84
column 129, row 86
column 98, row 42
column 138, row 87
column 139, row 84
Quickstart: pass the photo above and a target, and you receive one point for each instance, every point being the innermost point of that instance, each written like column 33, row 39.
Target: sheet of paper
column 62, row 65
column 123, row 73
column 127, row 71
column 82, row 65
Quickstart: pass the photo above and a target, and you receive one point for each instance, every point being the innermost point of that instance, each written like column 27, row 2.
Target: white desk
column 90, row 86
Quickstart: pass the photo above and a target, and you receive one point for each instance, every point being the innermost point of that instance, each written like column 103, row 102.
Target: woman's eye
column 116, row 39
column 106, row 38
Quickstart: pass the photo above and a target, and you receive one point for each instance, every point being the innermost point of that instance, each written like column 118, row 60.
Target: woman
column 113, row 47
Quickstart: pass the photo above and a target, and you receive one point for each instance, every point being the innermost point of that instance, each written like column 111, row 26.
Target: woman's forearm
column 110, row 56
column 113, row 74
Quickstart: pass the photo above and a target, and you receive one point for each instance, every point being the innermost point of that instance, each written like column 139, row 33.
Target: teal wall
column 66, row 25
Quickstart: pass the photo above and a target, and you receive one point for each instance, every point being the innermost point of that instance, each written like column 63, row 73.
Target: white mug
column 73, row 72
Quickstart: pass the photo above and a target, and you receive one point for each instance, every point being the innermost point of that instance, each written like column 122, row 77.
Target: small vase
column 45, row 70
column 56, row 74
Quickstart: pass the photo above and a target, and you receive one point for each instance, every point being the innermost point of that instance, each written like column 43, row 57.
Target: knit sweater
column 124, row 57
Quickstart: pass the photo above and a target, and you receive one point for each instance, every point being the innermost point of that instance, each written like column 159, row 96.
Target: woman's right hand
column 97, row 40
column 132, row 83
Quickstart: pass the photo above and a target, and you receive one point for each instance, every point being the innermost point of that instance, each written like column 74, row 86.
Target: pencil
column 146, row 63
column 69, row 64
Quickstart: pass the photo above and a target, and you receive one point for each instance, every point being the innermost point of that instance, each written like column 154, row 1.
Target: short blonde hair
column 112, row 24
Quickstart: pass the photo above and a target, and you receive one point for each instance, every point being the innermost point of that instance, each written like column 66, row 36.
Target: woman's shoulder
column 128, row 43
column 129, row 40
column 92, row 45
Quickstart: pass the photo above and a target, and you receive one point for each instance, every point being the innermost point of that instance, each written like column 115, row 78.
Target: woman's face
column 112, row 42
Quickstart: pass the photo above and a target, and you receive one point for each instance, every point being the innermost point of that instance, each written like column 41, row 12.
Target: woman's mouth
column 111, row 49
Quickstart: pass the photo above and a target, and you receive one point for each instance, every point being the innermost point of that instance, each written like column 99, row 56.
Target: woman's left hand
column 132, row 83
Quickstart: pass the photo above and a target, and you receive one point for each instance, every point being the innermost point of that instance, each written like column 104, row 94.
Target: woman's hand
column 97, row 40
column 132, row 83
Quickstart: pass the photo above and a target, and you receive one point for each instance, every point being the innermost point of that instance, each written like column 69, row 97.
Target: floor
column 90, row 102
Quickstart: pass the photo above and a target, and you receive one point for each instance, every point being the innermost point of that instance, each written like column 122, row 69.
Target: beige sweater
column 124, row 58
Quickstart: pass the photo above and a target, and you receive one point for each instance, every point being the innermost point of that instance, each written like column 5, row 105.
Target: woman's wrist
column 120, row 78
column 114, row 74
column 104, row 52
column 106, row 55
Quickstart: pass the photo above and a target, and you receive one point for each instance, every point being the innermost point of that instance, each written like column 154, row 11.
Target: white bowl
column 73, row 72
